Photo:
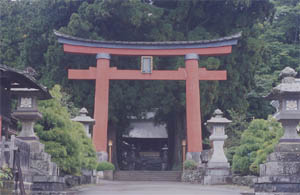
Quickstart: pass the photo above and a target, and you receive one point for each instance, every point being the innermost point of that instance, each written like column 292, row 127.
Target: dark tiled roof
column 26, row 81
column 224, row 41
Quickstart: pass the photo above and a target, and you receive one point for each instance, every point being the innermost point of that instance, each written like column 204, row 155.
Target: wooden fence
column 7, row 148
column 15, row 154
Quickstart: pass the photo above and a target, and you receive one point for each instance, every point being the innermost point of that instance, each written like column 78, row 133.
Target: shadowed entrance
column 145, row 145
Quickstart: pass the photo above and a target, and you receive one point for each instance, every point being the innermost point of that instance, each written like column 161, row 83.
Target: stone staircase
column 41, row 172
column 147, row 175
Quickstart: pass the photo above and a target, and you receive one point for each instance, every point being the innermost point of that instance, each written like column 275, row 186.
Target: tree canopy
column 64, row 139
column 270, row 41
column 27, row 40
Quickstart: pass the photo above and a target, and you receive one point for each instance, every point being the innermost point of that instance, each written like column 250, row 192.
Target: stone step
column 280, row 168
column 40, row 156
column 36, row 146
column 277, row 188
column 284, row 156
column 287, row 147
column 279, row 179
column 48, row 186
column 44, row 167
column 147, row 175
column 54, row 193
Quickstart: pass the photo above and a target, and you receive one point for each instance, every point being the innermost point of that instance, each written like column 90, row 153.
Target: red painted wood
column 0, row 128
column 192, row 74
column 89, row 74
column 155, row 75
column 212, row 51
column 211, row 75
column 193, row 114
column 115, row 74
column 101, row 105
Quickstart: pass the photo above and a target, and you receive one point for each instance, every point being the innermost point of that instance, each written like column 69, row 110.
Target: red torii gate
column 102, row 73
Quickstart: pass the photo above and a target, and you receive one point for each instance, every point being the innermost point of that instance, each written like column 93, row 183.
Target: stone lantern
column 27, row 112
column 281, row 172
column 217, row 126
column 218, row 167
column 287, row 93
column 85, row 120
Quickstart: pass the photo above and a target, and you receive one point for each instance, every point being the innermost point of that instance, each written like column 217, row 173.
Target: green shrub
column 104, row 166
column 257, row 141
column 190, row 165
column 64, row 139
column 5, row 174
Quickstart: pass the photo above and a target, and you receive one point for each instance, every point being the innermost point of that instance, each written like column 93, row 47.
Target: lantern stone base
column 217, row 173
column 195, row 156
column 281, row 173
column 102, row 156
column 220, row 165
column 217, row 180
column 27, row 120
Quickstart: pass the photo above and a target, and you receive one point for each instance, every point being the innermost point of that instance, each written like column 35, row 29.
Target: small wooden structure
column 13, row 81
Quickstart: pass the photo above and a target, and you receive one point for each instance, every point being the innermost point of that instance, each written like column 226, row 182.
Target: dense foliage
column 104, row 166
column 27, row 40
column 270, row 41
column 190, row 165
column 5, row 174
column 281, row 37
column 64, row 139
column 257, row 141
column 234, row 131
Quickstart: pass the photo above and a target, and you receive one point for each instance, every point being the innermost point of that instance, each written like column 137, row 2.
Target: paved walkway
column 158, row 188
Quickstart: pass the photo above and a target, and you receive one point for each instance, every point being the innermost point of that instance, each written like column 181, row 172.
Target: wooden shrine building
column 103, row 73
column 13, row 82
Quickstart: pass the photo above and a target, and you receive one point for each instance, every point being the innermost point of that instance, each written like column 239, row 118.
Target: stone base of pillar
column 217, row 173
column 28, row 138
column 195, row 156
column 217, row 180
column 102, row 156
column 280, row 174
column 222, row 165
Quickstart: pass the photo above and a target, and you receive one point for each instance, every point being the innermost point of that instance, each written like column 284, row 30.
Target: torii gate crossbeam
column 103, row 73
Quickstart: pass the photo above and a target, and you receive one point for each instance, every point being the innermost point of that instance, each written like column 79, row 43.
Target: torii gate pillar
column 101, row 106
column 193, row 115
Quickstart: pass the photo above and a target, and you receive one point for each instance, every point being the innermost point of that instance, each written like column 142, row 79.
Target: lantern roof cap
column 83, row 111
column 287, row 72
column 218, row 118
column 288, row 86
column 83, row 118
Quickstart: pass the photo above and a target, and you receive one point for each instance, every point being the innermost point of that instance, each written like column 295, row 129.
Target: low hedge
column 190, row 165
column 104, row 166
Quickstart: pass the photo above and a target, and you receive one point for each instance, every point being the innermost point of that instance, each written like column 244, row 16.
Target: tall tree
column 27, row 40
column 281, row 37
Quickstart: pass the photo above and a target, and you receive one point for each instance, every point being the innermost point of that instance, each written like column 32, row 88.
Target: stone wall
column 193, row 176
column 248, row 180
column 199, row 176
column 71, row 180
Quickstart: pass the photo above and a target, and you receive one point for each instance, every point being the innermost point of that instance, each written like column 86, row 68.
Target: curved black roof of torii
column 224, row 41
column 19, row 81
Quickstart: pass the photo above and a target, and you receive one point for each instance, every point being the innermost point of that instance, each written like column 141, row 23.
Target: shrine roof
column 224, row 41
column 21, row 81
column 145, row 129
